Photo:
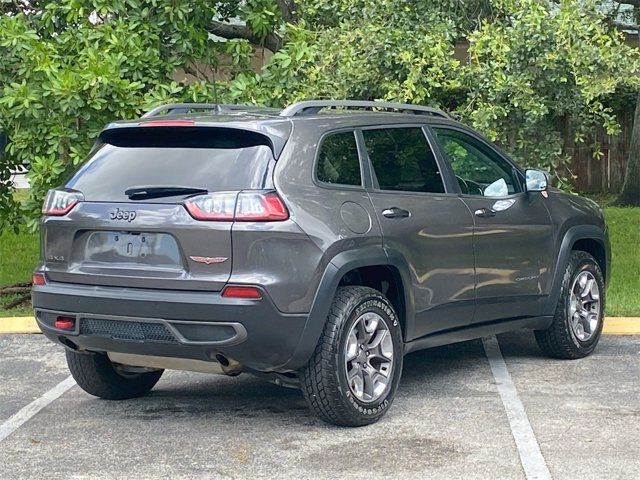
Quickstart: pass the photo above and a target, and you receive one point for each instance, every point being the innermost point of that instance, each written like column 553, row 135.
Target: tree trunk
column 630, row 194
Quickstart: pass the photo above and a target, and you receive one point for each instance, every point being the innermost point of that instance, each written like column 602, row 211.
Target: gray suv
column 313, row 246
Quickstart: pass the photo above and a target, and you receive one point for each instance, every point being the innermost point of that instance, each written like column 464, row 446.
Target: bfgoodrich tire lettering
column 560, row 340
column 324, row 381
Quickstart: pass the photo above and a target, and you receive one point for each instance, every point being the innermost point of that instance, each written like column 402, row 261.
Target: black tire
column 559, row 340
column 95, row 374
column 324, row 381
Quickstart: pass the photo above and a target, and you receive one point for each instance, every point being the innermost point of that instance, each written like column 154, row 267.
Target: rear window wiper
column 159, row 191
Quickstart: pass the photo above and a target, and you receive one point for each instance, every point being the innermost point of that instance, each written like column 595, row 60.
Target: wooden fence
column 604, row 174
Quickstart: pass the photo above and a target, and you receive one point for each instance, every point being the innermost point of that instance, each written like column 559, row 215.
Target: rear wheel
column 353, row 375
column 577, row 324
column 97, row 375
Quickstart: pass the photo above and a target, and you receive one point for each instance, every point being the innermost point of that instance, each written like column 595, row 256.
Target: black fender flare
column 570, row 237
column 335, row 270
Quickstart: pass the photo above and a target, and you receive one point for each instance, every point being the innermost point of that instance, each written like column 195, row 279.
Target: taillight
column 212, row 206
column 244, row 207
column 242, row 291
column 38, row 279
column 59, row 202
column 260, row 207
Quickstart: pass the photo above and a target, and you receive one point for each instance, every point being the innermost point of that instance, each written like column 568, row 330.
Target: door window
column 338, row 162
column 403, row 160
column 478, row 169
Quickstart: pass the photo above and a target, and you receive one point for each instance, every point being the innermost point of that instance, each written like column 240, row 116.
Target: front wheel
column 578, row 320
column 353, row 375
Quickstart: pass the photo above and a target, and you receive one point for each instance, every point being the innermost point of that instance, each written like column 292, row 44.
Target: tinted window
column 478, row 169
column 403, row 160
column 338, row 161
column 111, row 170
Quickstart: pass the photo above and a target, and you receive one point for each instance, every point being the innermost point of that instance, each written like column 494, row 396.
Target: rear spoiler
column 197, row 135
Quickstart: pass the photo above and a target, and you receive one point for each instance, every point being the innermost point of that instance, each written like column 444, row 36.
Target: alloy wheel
column 369, row 357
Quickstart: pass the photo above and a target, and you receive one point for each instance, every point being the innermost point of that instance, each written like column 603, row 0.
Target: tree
column 630, row 194
column 70, row 66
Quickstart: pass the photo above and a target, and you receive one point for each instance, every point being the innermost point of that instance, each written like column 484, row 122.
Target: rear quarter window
column 338, row 161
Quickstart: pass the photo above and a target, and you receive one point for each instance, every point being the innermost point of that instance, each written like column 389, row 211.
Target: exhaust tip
column 222, row 360
column 67, row 343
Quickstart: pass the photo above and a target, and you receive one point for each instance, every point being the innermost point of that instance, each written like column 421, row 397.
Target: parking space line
column 530, row 455
column 26, row 413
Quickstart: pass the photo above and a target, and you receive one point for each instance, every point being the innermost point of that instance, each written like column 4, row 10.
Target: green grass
column 623, row 296
column 19, row 255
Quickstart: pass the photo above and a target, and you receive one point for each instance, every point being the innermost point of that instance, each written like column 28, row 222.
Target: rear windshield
column 113, row 169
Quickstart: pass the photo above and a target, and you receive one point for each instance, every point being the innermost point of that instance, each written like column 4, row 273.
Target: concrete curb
column 612, row 325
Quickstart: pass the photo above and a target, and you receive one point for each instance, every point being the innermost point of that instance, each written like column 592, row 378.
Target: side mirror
column 3, row 143
column 536, row 180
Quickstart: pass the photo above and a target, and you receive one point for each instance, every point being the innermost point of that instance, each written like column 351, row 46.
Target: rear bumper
column 196, row 325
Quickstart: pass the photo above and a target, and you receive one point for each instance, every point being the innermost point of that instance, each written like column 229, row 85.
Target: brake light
column 38, row 279
column 59, row 202
column 240, row 291
column 167, row 123
column 244, row 207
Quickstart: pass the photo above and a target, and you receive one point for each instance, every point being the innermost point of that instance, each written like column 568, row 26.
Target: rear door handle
column 395, row 212
column 485, row 212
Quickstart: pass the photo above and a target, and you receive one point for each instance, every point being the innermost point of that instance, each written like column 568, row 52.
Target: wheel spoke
column 573, row 306
column 371, row 325
column 352, row 346
column 360, row 330
column 354, row 372
column 591, row 322
column 575, row 319
column 356, row 383
column 586, row 289
column 376, row 338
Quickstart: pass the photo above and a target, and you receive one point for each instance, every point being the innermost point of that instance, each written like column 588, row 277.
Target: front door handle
column 395, row 212
column 485, row 212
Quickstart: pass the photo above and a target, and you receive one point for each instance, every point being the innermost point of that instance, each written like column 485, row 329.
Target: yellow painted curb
column 612, row 325
column 18, row 325
column 622, row 326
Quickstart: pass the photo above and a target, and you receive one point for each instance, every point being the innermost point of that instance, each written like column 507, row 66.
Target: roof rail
column 311, row 107
column 190, row 107
column 181, row 108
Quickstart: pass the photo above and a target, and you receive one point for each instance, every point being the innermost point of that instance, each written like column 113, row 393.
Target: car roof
column 277, row 125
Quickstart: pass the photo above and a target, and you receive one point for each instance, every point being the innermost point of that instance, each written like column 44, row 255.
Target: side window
column 338, row 162
column 403, row 160
column 479, row 170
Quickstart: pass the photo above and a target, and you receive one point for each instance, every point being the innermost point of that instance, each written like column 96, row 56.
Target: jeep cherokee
column 313, row 246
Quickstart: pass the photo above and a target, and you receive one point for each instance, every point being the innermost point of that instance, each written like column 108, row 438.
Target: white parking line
column 530, row 456
column 24, row 414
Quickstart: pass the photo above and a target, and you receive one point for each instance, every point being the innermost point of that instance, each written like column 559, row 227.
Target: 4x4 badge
column 209, row 260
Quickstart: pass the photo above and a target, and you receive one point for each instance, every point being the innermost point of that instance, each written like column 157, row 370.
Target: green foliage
column 539, row 65
column 71, row 67
column 68, row 67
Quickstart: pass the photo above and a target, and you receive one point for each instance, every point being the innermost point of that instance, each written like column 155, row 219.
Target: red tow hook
column 65, row 323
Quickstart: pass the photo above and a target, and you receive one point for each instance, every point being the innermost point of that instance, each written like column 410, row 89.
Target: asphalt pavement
column 451, row 419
